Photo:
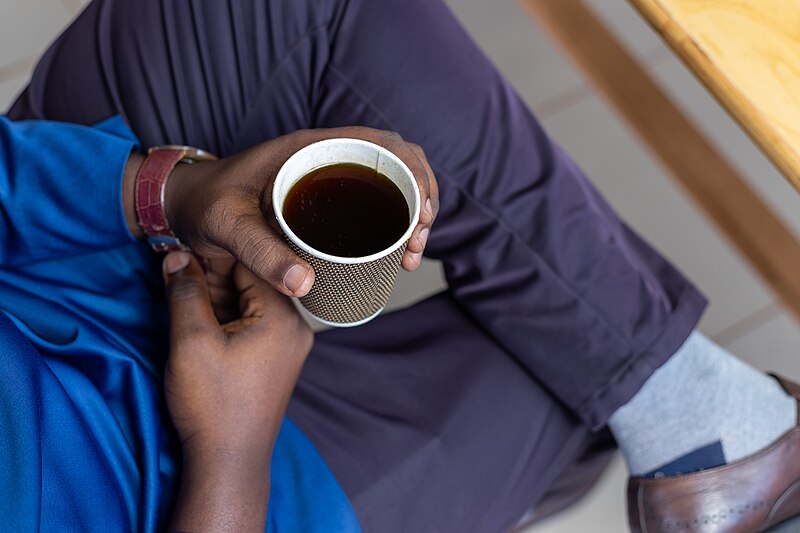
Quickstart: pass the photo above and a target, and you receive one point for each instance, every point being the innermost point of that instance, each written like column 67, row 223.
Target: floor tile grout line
column 582, row 91
column 562, row 101
column 748, row 324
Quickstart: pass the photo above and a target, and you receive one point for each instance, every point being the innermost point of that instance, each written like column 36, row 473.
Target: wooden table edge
column 776, row 148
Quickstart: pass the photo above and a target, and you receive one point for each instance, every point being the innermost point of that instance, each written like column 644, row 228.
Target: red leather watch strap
column 151, row 182
column 150, row 185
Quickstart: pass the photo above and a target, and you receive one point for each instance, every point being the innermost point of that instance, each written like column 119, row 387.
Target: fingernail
column 175, row 262
column 429, row 207
column 417, row 257
column 423, row 236
column 294, row 278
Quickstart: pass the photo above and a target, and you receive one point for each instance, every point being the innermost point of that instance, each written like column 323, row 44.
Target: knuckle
column 299, row 138
column 435, row 206
column 366, row 131
column 296, row 134
column 382, row 137
column 392, row 137
column 252, row 304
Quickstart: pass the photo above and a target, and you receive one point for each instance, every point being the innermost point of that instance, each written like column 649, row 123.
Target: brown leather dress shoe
column 759, row 493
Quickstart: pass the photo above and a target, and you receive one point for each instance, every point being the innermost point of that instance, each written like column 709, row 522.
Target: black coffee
column 346, row 210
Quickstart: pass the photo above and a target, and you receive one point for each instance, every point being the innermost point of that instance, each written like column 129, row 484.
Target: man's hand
column 227, row 387
column 225, row 207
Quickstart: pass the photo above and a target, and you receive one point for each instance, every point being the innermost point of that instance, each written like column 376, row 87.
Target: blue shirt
column 86, row 443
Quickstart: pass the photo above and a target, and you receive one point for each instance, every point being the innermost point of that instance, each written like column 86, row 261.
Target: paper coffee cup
column 348, row 291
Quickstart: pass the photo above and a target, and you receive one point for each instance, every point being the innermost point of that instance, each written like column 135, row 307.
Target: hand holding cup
column 223, row 208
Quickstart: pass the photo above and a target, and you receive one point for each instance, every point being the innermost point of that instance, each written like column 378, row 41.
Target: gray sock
column 703, row 408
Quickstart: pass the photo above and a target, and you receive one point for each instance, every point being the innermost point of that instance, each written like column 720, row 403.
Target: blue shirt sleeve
column 61, row 189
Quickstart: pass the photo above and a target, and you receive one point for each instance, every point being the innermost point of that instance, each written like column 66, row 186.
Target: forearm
column 60, row 189
column 227, row 388
column 223, row 490
column 225, row 482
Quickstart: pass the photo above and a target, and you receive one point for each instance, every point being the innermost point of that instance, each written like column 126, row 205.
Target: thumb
column 187, row 294
column 263, row 251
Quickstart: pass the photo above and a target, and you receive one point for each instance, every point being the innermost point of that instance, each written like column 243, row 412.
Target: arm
column 67, row 189
column 227, row 389
column 223, row 494
column 58, row 183
column 222, row 208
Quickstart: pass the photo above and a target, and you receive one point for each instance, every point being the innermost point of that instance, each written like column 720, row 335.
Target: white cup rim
column 277, row 206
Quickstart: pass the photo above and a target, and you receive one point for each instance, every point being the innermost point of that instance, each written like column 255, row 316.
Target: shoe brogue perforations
column 751, row 495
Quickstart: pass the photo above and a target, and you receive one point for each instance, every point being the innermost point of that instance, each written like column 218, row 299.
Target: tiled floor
column 743, row 315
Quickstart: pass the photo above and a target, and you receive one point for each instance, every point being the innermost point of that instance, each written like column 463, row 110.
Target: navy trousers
column 462, row 412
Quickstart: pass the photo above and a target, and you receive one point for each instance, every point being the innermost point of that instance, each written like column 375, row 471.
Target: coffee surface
column 346, row 210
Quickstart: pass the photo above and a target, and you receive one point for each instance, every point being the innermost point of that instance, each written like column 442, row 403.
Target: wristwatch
column 150, row 184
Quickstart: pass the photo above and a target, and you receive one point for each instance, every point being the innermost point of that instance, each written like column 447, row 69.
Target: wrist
column 231, row 464
column 227, row 456
column 158, row 178
column 174, row 192
column 223, row 490
column 223, row 445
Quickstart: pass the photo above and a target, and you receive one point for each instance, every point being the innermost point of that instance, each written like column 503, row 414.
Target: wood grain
column 761, row 237
column 747, row 52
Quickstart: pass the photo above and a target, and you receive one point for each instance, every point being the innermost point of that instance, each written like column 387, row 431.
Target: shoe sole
column 790, row 526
